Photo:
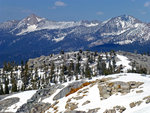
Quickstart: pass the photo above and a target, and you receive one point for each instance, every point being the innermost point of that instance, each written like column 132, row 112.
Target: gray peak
column 32, row 19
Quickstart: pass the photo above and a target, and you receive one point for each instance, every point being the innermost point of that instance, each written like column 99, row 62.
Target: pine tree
column 36, row 74
column 14, row 85
column 77, row 71
column 1, row 90
column 114, row 65
column 45, row 70
column 110, row 69
column 52, row 72
column 104, row 70
column 87, row 71
column 6, row 87
column 99, row 65
column 62, row 74
column 62, row 52
column 25, row 76
column 72, row 65
column 35, row 79
column 80, row 51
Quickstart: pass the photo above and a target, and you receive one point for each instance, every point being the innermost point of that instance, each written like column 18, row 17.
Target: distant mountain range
column 34, row 36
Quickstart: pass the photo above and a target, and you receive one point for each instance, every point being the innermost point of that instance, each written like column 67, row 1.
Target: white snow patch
column 114, row 33
column 91, row 25
column 58, row 39
column 39, row 19
column 94, row 98
column 30, row 28
column 125, row 42
column 124, row 62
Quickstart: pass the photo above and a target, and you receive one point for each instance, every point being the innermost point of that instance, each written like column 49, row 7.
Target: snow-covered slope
column 126, row 93
column 124, row 62
column 89, row 98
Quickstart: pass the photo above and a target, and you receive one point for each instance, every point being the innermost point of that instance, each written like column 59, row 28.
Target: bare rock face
column 134, row 84
column 74, row 111
column 132, row 104
column 39, row 108
column 8, row 102
column 78, row 98
column 104, row 92
column 110, row 111
column 71, row 106
column 67, row 89
column 87, row 102
column 147, row 99
column 137, row 103
column 140, row 91
column 93, row 110
column 33, row 105
column 120, row 109
column 116, row 109
column 106, row 89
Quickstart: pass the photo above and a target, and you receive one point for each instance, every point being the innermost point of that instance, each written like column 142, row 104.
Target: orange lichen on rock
column 73, row 90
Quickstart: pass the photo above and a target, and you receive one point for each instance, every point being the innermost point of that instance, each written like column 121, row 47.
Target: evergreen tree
column 25, row 76
column 45, row 70
column 77, row 71
column 104, row 70
column 14, row 85
column 6, row 87
column 61, row 77
column 52, row 72
column 99, row 65
column 114, row 64
column 62, row 52
column 80, row 51
column 1, row 90
column 87, row 71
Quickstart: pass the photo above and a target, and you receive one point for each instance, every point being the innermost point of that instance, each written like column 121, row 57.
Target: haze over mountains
column 34, row 36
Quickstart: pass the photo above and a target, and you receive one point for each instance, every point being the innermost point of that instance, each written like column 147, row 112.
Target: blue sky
column 64, row 10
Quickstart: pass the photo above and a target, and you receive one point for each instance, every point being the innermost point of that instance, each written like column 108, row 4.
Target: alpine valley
column 34, row 36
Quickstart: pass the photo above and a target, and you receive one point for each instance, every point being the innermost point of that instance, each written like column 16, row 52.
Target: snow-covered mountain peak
column 28, row 24
column 122, row 22
column 126, row 18
column 32, row 19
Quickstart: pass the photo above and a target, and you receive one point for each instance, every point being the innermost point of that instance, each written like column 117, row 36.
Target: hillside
column 82, row 81
column 117, row 93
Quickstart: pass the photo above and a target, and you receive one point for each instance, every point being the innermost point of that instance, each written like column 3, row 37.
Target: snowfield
column 124, row 62
column 92, row 96
column 115, row 100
